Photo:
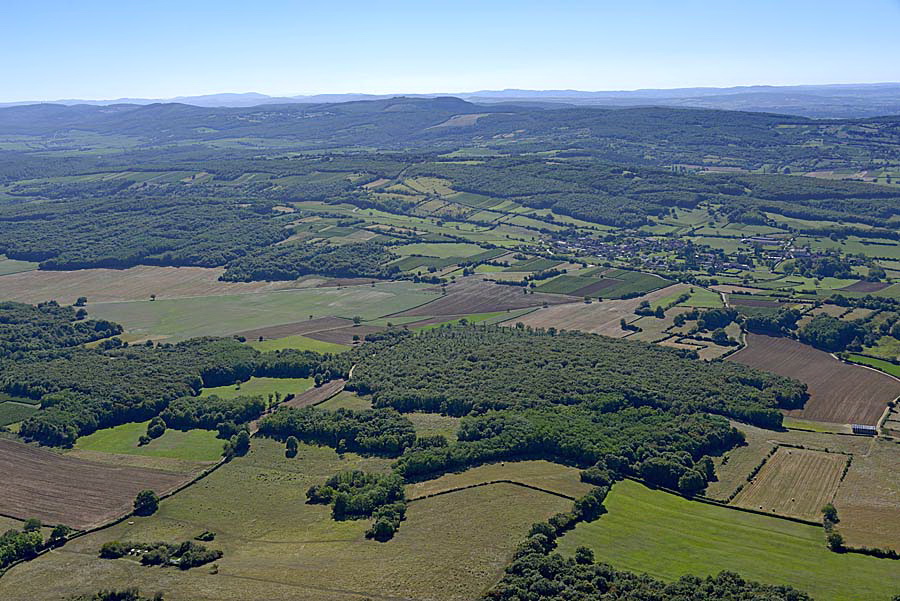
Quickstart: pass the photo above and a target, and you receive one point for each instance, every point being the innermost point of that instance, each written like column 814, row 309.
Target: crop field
column 260, row 386
column 596, row 317
column 441, row 251
column 228, row 314
column 298, row 328
column 193, row 445
column 63, row 490
column 297, row 342
column 136, row 283
column 314, row 395
column 867, row 498
column 839, row 393
column 794, row 482
column 451, row 547
column 474, row 295
column 345, row 337
column 667, row 536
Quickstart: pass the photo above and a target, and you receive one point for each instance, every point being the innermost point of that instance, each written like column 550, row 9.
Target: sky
column 101, row 49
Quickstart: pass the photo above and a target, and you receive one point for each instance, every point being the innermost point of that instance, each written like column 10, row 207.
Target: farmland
column 78, row 493
column 839, row 392
column 794, row 482
column 228, row 314
column 260, row 386
column 451, row 547
column 597, row 317
column 654, row 532
column 474, row 295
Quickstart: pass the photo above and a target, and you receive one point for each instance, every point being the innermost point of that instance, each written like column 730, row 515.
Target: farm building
column 865, row 430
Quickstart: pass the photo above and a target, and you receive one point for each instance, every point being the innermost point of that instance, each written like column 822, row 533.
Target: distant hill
column 820, row 101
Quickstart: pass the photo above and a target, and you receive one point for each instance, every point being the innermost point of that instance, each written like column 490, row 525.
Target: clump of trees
column 186, row 555
column 829, row 333
column 373, row 431
column 356, row 494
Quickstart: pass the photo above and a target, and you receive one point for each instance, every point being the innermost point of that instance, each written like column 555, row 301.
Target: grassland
column 703, row 298
column 10, row 266
column 193, row 445
column 668, row 536
column 451, row 547
column 226, row 314
column 300, row 343
column 542, row 474
column 11, row 412
column 347, row 400
column 260, row 386
column 885, row 366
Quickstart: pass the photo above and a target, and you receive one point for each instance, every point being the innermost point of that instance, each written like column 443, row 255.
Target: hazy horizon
column 103, row 50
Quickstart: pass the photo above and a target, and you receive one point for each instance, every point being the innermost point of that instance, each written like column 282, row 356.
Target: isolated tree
column 292, row 446
column 357, row 320
column 32, row 525
column 81, row 301
column 156, row 427
column 146, row 503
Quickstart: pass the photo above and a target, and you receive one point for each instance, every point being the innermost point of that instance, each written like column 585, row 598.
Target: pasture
column 136, row 283
column 839, row 393
column 11, row 266
column 542, row 474
column 64, row 490
column 298, row 342
column 451, row 547
column 794, row 482
column 667, row 536
column 193, row 445
column 260, row 386
column 867, row 498
column 223, row 315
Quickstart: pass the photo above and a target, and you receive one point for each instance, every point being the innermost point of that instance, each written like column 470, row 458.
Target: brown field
column 136, row 283
column 473, row 294
column 316, row 395
column 732, row 288
column 832, row 310
column 866, row 287
column 596, row 317
column 794, row 482
column 345, row 335
column 839, row 393
column 298, row 328
column 63, row 490
column 858, row 313
column 743, row 301
column 869, row 497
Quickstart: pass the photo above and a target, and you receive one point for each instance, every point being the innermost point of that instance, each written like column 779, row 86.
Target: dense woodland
column 461, row 370
column 47, row 326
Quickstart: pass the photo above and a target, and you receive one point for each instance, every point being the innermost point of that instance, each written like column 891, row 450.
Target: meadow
column 451, row 547
column 182, row 318
column 260, row 386
column 666, row 536
column 193, row 445
column 300, row 343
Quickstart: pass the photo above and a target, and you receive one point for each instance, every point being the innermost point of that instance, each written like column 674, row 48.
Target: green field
column 703, row 299
column 885, row 366
column 9, row 266
column 442, row 251
column 11, row 413
column 193, row 445
column 668, row 536
column 260, row 387
column 223, row 315
column 300, row 343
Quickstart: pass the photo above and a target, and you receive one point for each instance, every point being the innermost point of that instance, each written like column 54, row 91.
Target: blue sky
column 54, row 49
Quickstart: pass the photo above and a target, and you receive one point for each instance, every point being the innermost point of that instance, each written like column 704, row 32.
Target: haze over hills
column 821, row 101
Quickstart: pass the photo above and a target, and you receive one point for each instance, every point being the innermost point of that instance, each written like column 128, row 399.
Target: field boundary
column 489, row 483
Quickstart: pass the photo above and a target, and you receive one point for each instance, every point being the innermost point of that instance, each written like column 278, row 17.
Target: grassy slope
column 194, row 445
column 668, row 536
column 884, row 366
column 301, row 343
column 261, row 386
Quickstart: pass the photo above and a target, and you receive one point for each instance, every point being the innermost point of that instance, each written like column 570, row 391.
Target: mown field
column 794, row 482
column 450, row 547
column 667, row 536
column 228, row 314
column 260, row 386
